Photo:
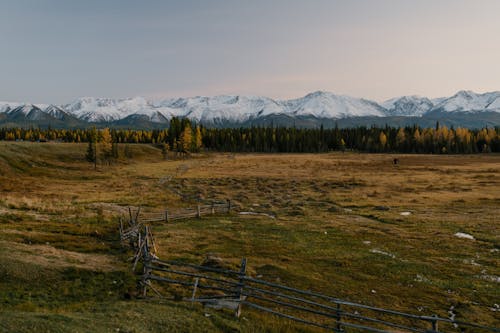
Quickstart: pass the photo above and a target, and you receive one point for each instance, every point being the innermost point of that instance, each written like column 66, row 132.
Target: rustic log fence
column 186, row 213
column 219, row 287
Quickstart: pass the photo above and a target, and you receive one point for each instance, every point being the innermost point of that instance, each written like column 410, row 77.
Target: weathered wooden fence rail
column 180, row 214
column 233, row 289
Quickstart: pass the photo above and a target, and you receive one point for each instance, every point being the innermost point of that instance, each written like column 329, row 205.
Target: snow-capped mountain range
column 242, row 109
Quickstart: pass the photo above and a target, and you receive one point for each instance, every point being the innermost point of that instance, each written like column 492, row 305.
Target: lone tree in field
column 186, row 139
column 90, row 154
column 106, row 145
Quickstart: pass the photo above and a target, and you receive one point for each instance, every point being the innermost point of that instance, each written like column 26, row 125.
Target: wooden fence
column 235, row 290
column 181, row 214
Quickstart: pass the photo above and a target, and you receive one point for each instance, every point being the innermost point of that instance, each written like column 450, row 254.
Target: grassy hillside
column 338, row 230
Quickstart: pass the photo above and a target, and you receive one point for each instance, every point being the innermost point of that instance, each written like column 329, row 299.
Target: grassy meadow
column 338, row 229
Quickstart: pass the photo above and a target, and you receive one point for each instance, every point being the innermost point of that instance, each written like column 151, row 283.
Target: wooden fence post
column 139, row 251
column 198, row 212
column 228, row 206
column 434, row 324
column 166, row 215
column 196, row 281
column 213, row 208
column 241, row 283
column 137, row 214
column 121, row 229
column 339, row 327
column 153, row 243
column 130, row 216
column 146, row 256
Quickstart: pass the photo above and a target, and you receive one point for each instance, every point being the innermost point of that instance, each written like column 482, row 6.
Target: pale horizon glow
column 54, row 51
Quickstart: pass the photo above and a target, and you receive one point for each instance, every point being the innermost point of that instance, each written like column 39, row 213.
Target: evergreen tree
column 90, row 154
column 114, row 151
column 92, row 135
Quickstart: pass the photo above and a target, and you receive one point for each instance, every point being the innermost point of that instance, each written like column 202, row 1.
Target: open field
column 338, row 229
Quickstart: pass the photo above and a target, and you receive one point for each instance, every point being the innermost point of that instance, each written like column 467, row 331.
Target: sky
column 54, row 51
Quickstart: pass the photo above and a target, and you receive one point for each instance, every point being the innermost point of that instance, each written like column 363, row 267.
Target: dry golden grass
column 338, row 226
column 48, row 256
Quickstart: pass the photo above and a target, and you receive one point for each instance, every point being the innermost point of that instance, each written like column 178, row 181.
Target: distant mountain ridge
column 313, row 109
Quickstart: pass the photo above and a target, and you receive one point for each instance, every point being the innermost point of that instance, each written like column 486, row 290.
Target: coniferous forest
column 182, row 135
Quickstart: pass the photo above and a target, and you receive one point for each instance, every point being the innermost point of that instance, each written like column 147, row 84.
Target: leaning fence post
column 146, row 260
column 196, row 281
column 241, row 282
column 137, row 214
column 434, row 324
column 130, row 216
column 121, row 229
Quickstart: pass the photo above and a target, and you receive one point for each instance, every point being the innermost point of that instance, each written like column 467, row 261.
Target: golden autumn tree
column 400, row 138
column 106, row 145
column 383, row 140
column 186, row 139
column 165, row 148
column 342, row 145
column 417, row 137
column 197, row 143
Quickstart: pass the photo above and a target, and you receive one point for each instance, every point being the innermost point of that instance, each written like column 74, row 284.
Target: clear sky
column 52, row 51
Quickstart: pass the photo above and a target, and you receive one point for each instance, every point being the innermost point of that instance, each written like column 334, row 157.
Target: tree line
column 184, row 136
column 438, row 140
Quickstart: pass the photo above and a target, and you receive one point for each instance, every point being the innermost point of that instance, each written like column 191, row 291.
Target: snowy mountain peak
column 319, row 93
column 469, row 101
column 465, row 94
column 322, row 104
column 407, row 106
column 55, row 111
